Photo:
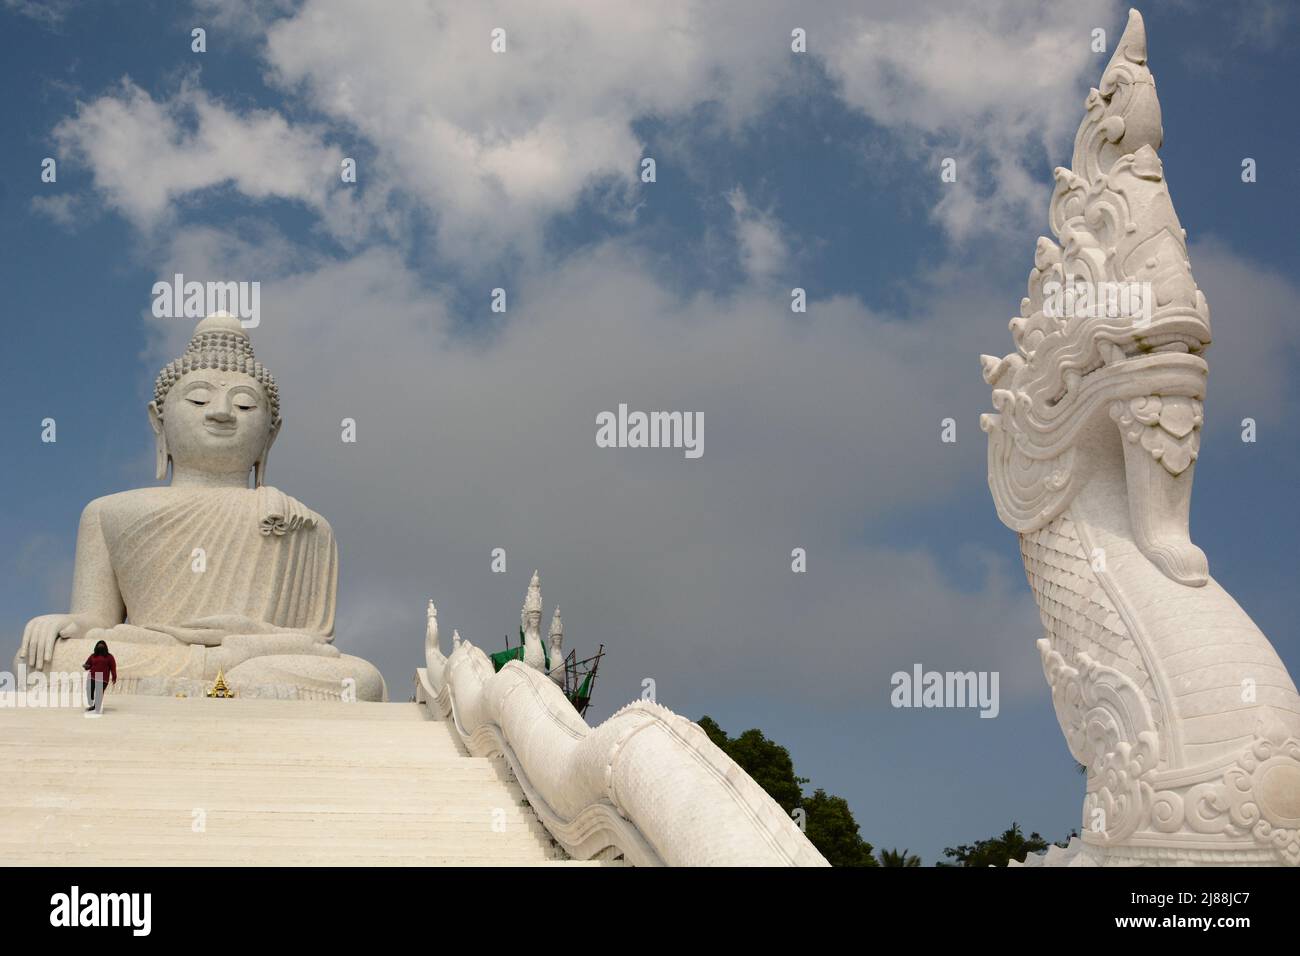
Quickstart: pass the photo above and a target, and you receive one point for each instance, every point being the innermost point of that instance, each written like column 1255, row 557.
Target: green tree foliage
column 829, row 824
column 896, row 857
column 1011, row 845
column 765, row 760
column 830, row 827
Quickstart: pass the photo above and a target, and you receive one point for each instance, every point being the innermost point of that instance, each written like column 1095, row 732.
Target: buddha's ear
column 259, row 466
column 160, row 441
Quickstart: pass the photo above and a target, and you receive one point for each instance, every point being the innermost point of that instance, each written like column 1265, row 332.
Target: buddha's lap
column 346, row 677
column 323, row 669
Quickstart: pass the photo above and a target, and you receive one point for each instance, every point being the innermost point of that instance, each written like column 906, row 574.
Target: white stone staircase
column 271, row 782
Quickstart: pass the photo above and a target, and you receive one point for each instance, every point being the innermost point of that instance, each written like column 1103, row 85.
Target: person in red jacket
column 100, row 667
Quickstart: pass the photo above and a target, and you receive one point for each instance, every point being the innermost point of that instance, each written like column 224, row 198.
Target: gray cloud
column 1256, row 337
column 815, row 426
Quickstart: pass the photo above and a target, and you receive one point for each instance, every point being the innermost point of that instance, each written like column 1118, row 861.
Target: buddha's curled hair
column 220, row 343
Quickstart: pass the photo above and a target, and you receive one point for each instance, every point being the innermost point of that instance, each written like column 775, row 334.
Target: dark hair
column 101, row 647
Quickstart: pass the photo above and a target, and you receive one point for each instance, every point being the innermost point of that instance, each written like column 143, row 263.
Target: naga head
column 1110, row 334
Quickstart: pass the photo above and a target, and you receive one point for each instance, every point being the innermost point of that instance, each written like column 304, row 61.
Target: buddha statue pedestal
column 211, row 574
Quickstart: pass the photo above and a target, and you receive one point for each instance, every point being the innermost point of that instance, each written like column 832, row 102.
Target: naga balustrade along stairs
column 167, row 781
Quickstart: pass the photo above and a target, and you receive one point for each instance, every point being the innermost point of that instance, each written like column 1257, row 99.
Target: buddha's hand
column 42, row 632
column 215, row 628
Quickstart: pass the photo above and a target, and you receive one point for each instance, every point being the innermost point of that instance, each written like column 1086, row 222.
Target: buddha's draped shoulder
column 181, row 553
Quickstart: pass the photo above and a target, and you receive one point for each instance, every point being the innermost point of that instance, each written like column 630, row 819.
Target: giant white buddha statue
column 207, row 574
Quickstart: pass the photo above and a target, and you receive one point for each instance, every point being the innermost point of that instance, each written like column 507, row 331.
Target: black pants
column 94, row 689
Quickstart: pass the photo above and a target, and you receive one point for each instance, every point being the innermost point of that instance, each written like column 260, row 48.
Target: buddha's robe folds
column 232, row 579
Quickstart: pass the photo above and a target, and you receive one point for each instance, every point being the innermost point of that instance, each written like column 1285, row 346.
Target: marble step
column 265, row 818
column 128, row 741
column 252, row 708
column 57, row 794
column 124, row 724
column 334, row 840
column 280, row 783
column 153, row 856
column 54, row 751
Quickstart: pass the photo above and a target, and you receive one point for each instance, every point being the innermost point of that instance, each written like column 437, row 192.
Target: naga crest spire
column 532, row 599
column 1113, row 322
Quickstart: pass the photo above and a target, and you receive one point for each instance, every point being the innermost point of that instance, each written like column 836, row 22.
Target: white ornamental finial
column 432, row 651
column 531, row 620
column 533, row 600
column 455, row 639
column 557, row 648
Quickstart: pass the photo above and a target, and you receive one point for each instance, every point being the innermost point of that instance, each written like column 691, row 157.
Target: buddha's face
column 216, row 422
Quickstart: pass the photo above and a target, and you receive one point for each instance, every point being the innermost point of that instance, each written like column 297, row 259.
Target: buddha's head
column 216, row 409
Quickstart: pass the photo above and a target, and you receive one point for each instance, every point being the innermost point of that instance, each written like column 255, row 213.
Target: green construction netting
column 584, row 692
column 501, row 658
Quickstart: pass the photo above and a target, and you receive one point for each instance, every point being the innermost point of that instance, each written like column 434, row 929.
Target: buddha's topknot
column 220, row 343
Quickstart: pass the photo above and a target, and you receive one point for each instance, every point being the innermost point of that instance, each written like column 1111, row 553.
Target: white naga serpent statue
column 647, row 785
column 1177, row 704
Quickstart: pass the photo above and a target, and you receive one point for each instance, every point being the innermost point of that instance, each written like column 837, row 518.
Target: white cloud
column 146, row 155
column 1256, row 338
column 761, row 249
column 51, row 13
column 496, row 145
column 977, row 82
column 67, row 209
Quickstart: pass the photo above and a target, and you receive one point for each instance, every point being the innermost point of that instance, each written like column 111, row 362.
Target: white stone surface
column 647, row 784
column 1076, row 853
column 265, row 782
column 211, row 574
column 1180, row 708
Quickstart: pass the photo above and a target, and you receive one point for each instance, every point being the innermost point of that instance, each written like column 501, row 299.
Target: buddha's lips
column 218, row 429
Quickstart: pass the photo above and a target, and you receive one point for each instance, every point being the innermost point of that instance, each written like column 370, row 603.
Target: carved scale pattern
column 1076, row 613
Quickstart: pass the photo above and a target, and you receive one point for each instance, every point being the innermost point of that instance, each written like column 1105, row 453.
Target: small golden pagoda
column 220, row 688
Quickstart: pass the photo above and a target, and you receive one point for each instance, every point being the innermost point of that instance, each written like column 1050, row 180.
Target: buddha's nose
column 222, row 415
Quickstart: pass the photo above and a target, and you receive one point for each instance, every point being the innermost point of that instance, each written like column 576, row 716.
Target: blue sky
column 476, row 430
